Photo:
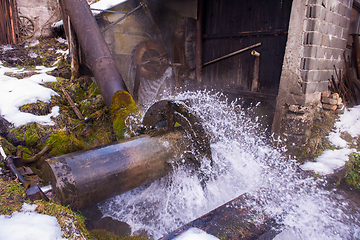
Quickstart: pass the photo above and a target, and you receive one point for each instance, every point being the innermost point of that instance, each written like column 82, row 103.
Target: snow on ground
column 195, row 234
column 27, row 224
column 15, row 93
column 331, row 160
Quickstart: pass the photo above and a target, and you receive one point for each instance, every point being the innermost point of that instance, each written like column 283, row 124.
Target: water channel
column 245, row 160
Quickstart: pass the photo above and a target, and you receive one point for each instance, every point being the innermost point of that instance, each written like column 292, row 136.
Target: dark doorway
column 230, row 25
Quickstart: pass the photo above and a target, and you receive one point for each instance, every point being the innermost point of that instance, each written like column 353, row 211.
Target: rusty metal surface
column 8, row 22
column 96, row 51
column 170, row 113
column 233, row 220
column 87, row 177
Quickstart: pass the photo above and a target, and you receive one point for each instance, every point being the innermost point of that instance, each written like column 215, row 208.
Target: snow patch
column 15, row 93
column 195, row 234
column 29, row 225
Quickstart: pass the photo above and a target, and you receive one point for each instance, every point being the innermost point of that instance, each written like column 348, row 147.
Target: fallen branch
column 76, row 110
column 37, row 156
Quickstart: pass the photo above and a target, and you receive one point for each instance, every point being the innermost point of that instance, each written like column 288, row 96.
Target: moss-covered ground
column 69, row 133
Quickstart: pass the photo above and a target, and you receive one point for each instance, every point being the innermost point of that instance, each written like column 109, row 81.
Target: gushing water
column 244, row 160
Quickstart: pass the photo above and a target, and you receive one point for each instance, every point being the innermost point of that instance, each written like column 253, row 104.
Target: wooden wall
column 230, row 25
column 8, row 22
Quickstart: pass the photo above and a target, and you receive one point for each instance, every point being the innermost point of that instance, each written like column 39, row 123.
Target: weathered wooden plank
column 233, row 220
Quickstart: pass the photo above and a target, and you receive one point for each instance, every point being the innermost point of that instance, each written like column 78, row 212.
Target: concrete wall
column 317, row 39
column 326, row 28
column 42, row 13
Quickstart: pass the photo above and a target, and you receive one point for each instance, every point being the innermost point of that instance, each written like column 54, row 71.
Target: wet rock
column 63, row 72
column 4, row 132
column 108, row 224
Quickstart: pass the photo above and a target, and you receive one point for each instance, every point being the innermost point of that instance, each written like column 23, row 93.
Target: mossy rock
column 63, row 142
column 124, row 114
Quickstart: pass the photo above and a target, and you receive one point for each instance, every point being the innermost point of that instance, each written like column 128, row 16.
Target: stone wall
column 326, row 29
column 317, row 40
column 43, row 13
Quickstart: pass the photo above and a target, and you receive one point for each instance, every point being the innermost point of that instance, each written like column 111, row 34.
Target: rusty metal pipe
column 96, row 51
column 84, row 178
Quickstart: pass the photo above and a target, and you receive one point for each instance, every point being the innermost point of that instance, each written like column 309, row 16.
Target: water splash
column 243, row 161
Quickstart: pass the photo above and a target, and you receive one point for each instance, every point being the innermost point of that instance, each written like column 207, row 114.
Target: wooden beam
column 198, row 56
column 232, row 54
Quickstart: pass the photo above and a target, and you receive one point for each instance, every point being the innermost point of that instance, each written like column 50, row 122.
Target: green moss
column 9, row 149
column 32, row 133
column 72, row 224
column 93, row 90
column 62, row 142
column 353, row 176
column 123, row 112
column 12, row 196
column 100, row 234
column 26, row 152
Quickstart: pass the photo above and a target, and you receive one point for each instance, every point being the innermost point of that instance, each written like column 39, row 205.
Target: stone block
column 304, row 75
column 348, row 12
column 326, row 74
column 329, row 107
column 339, row 101
column 332, row 30
column 345, row 33
column 321, row 65
column 325, row 94
column 311, row 25
column 331, row 63
column 342, row 10
column 330, row 101
column 328, row 53
column 335, row 96
column 319, row 87
column 325, row 40
column 320, row 51
column 344, row 22
column 313, row 76
column 323, row 27
column 312, row 38
column 316, row 11
column 309, row 51
column 331, row 17
column 304, row 63
column 337, row 53
column 334, row 7
column 338, row 31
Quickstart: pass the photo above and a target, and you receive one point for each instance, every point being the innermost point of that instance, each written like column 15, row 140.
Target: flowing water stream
column 244, row 161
